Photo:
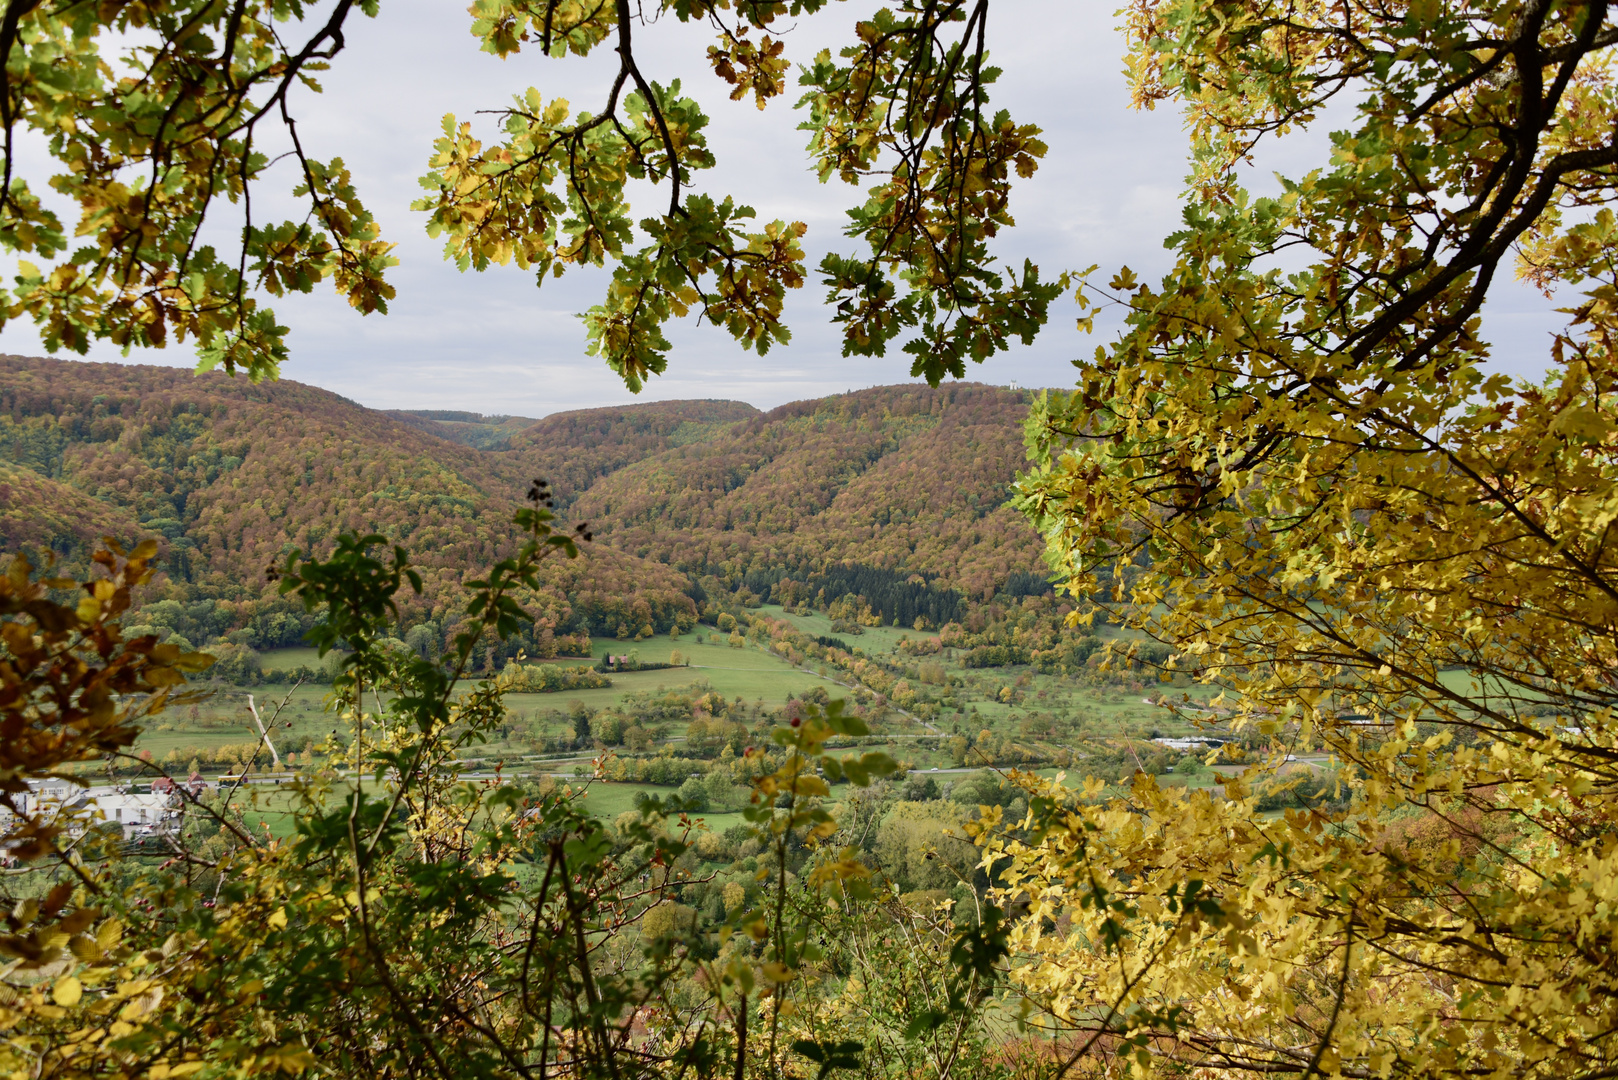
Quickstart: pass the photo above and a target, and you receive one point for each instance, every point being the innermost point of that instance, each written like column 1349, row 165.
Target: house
column 1192, row 745
column 140, row 813
column 48, row 800
column 151, row 813
column 50, row 797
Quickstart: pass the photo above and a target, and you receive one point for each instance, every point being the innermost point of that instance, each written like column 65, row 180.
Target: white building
column 1188, row 745
column 138, row 813
column 146, row 814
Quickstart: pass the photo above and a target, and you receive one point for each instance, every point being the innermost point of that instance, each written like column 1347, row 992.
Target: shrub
column 554, row 678
column 994, row 656
column 668, row 920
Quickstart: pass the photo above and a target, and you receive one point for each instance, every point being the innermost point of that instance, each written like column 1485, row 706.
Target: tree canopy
column 1295, row 470
column 1383, row 549
column 156, row 113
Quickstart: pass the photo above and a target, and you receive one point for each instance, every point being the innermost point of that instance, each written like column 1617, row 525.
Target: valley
column 856, row 547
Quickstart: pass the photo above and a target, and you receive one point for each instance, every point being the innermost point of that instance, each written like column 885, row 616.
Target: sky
column 1106, row 193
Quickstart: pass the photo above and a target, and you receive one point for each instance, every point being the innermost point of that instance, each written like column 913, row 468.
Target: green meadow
column 1012, row 702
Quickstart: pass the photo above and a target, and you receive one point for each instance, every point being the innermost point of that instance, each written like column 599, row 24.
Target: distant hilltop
column 684, row 496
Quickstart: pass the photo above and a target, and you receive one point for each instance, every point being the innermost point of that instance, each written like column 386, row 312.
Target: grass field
column 287, row 659
column 875, row 639
column 224, row 718
column 607, row 801
column 748, row 673
column 267, row 805
column 970, row 702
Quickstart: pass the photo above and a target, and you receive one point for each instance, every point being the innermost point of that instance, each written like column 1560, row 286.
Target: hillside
column 44, row 515
column 901, row 478
column 576, row 449
column 893, row 491
column 473, row 429
column 233, row 475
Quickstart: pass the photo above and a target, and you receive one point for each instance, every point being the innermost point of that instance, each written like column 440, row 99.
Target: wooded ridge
column 903, row 482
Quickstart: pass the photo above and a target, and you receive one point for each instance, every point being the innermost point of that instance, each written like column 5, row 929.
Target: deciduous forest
column 231, row 476
column 1247, row 709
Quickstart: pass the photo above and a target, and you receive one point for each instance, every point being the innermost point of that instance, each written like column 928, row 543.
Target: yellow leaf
column 67, row 991
column 291, row 1058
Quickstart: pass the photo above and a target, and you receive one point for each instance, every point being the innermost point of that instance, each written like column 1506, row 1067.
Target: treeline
column 887, row 502
column 908, row 479
column 896, row 598
column 553, row 678
column 1034, row 631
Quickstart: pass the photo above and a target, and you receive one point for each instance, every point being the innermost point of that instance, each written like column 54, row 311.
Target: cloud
column 1106, row 193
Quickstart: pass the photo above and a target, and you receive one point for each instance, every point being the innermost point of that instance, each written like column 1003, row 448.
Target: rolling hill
column 906, row 483
column 906, row 479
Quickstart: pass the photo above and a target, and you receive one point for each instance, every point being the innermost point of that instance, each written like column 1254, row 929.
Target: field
column 287, row 659
column 1009, row 702
column 747, row 673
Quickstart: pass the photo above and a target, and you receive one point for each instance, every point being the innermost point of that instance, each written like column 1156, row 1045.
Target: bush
column 235, row 664
column 573, row 645
column 985, row 788
column 1191, row 765
column 302, row 673
column 1311, row 792
column 1067, row 657
column 630, row 661
column 554, row 678
column 919, row 788
column 714, row 847
column 668, row 920
column 994, row 656
column 694, row 793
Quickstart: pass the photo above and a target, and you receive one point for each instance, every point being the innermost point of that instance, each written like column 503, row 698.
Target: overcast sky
column 1105, row 193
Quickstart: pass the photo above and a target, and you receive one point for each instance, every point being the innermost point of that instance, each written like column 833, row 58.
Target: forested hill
column 873, row 488
column 233, row 475
column 902, row 478
column 473, row 429
column 579, row 448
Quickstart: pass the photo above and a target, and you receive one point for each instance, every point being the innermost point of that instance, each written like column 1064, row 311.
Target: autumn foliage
column 1381, row 548
column 1294, row 475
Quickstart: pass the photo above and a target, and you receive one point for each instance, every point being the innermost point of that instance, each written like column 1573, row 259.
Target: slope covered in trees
column 578, row 448
column 232, row 476
column 904, row 478
column 893, row 495
column 42, row 514
column 473, row 429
